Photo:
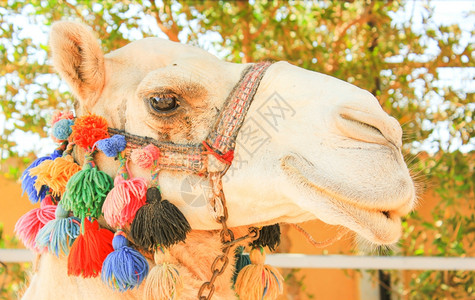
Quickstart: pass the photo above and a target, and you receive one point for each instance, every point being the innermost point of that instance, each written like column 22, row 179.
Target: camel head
column 311, row 146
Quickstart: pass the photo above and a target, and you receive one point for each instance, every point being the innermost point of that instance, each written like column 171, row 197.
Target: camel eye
column 163, row 103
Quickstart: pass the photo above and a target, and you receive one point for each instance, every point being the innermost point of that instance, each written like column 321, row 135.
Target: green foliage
column 450, row 231
column 366, row 43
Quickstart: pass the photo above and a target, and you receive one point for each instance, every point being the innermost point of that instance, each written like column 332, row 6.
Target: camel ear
column 78, row 58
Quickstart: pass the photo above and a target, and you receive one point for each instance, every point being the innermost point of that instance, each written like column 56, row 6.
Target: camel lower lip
column 380, row 226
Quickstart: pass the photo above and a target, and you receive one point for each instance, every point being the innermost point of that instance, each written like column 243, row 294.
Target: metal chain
column 220, row 263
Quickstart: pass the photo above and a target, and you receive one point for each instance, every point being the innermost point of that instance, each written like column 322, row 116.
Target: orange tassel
column 257, row 280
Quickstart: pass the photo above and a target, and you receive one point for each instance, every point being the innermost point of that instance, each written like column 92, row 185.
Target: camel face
column 312, row 146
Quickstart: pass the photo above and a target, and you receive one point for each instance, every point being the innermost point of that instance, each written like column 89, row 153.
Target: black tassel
column 268, row 236
column 158, row 222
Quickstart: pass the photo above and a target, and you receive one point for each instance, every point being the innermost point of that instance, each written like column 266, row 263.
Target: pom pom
column 242, row 260
column 62, row 130
column 29, row 224
column 145, row 157
column 59, row 234
column 55, row 174
column 59, row 115
column 113, row 145
column 124, row 200
column 268, row 236
column 158, row 222
column 258, row 281
column 28, row 181
column 90, row 250
column 125, row 268
column 89, row 129
column 86, row 191
column 164, row 281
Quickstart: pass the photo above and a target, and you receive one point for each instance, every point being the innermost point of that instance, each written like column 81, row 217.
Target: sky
column 445, row 12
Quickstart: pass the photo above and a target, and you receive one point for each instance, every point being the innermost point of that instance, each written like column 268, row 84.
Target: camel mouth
column 381, row 226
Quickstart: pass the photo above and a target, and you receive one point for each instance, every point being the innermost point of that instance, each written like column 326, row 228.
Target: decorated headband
column 74, row 197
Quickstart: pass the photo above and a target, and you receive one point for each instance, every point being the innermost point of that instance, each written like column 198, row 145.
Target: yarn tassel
column 257, row 280
column 90, row 249
column 268, row 236
column 59, row 234
column 28, row 226
column 86, row 190
column 123, row 201
column 28, row 181
column 164, row 281
column 242, row 260
column 55, row 174
column 125, row 268
column 158, row 222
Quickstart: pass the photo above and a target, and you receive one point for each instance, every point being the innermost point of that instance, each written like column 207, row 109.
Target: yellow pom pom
column 164, row 281
column 55, row 174
column 42, row 173
column 257, row 280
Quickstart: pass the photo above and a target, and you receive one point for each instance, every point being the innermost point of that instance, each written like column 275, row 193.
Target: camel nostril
column 362, row 124
column 386, row 214
column 370, row 127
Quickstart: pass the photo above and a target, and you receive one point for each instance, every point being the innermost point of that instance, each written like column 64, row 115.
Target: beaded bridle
column 220, row 143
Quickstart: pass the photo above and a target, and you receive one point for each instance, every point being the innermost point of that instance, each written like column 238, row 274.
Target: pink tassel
column 124, row 200
column 29, row 224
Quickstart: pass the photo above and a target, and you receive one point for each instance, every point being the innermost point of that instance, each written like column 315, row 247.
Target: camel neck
column 194, row 258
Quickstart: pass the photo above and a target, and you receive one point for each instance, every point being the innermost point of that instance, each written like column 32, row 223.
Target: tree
column 366, row 43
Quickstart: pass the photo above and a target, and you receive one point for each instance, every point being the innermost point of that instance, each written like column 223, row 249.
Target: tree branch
column 362, row 19
column 78, row 13
column 170, row 32
column 246, row 40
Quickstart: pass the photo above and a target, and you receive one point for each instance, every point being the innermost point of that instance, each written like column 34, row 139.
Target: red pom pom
column 90, row 250
column 87, row 130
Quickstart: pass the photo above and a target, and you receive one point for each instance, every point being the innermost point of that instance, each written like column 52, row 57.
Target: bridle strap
column 222, row 139
column 175, row 157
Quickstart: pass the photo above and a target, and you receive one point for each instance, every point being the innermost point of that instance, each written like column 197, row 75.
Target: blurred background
column 416, row 57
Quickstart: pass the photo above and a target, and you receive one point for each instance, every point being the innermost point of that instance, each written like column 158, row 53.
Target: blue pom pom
column 62, row 129
column 119, row 241
column 125, row 268
column 59, row 234
column 120, row 142
column 113, row 145
column 28, row 181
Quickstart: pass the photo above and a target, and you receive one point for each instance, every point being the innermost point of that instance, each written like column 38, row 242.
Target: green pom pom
column 86, row 191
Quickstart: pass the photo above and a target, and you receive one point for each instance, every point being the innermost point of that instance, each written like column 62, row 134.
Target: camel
column 311, row 147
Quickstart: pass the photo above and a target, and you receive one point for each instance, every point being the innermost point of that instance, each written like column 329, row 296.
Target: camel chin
column 329, row 203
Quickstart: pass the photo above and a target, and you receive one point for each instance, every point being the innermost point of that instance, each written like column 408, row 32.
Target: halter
column 220, row 143
column 222, row 139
